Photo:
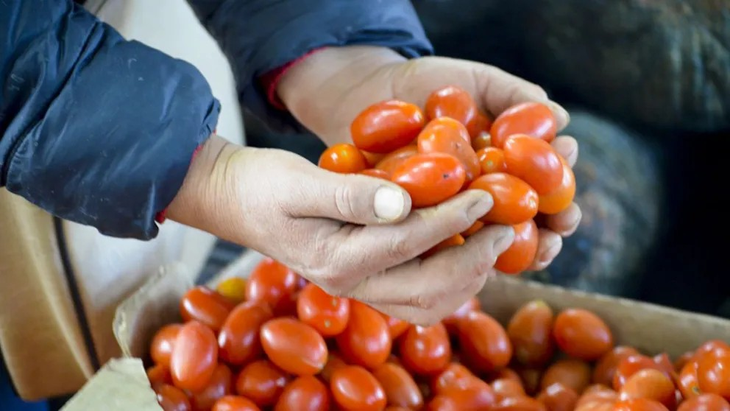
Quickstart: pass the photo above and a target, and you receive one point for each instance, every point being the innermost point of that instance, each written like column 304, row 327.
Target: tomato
column 470, row 305
column 452, row 375
column 372, row 158
column 218, row 387
column 491, row 160
column 306, row 393
column 606, row 366
column 478, row 225
column 650, row 384
column 233, row 288
column 194, row 357
column 366, row 340
column 505, row 374
column 639, row 404
column 386, row 126
column 533, row 119
column 162, row 344
column 682, row 360
column 294, row 346
column 323, row 312
column 484, row 342
column 355, row 388
column 559, row 199
column 629, row 366
column 520, row 255
column 238, row 340
column 374, row 172
column 582, row 334
column 597, row 398
column 519, row 404
column 453, row 102
column 391, row 408
column 471, row 394
column 535, row 162
column 205, row 305
column 158, row 375
column 453, row 241
column 713, row 372
column 343, row 158
column 558, row 397
column 572, row 373
column 233, row 403
column 514, row 200
column 396, row 327
column 507, row 388
column 334, row 362
column 393, row 160
column 688, row 381
column 665, row 365
column 479, row 129
column 442, row 403
column 530, row 331
column 273, row 283
column 172, row 398
column 705, row 402
column 531, row 377
column 448, row 136
column 425, row 350
column 430, row 178
column 261, row 382
column 708, row 347
column 400, row 388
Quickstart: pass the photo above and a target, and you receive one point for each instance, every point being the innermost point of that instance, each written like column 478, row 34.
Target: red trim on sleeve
column 271, row 80
column 162, row 215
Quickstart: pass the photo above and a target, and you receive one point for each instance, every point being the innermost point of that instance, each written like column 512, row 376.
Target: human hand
column 329, row 89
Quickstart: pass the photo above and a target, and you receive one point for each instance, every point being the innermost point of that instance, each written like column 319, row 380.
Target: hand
column 353, row 235
column 326, row 91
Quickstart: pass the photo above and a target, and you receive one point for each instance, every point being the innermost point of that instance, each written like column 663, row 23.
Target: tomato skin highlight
column 294, row 346
column 386, row 126
column 163, row 343
column 534, row 119
column 205, row 305
column 448, row 136
column 355, row 388
column 430, row 179
column 195, row 357
column 535, row 162
column 561, row 198
column 239, row 341
column 453, row 102
column 325, row 313
column 520, row 255
column 343, row 159
column 515, row 202
column 713, row 372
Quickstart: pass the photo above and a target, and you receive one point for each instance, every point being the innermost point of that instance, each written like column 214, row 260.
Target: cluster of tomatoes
column 276, row 342
column 453, row 147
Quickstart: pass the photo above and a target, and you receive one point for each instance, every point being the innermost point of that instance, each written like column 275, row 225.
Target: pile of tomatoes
column 276, row 342
column 451, row 146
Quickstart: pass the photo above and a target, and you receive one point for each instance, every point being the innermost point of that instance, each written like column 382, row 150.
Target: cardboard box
column 122, row 384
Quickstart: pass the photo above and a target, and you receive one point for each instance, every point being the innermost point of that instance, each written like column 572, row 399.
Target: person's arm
column 93, row 128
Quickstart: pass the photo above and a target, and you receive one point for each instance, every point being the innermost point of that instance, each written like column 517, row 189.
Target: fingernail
column 481, row 206
column 389, row 203
column 550, row 254
column 504, row 241
column 562, row 115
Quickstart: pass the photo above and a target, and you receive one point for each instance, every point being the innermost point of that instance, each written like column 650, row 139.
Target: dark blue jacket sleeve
column 261, row 35
column 93, row 128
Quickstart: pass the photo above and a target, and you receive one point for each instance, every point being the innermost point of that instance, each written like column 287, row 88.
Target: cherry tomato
column 442, row 403
column 396, row 327
column 600, row 399
column 425, row 350
column 194, row 357
column 558, row 397
column 163, row 343
column 344, row 159
column 665, row 365
column 688, row 381
column 392, row 408
column 158, row 375
column 387, row 126
column 533, row 119
column 393, row 160
column 629, row 366
column 234, row 403
column 448, row 136
column 430, row 178
column 374, row 172
column 261, row 382
column 705, row 402
column 491, row 160
column 334, row 362
column 505, row 374
column 530, row 331
column 453, row 374
column 484, row 342
column 531, row 377
column 323, row 312
column 233, row 288
column 582, row 334
column 205, row 305
column 470, row 305
column 710, row 346
column 514, row 200
column 519, row 404
column 572, row 373
column 605, row 368
column 559, row 199
column 400, row 388
column 273, row 283
column 713, row 372
column 238, row 340
column 172, row 398
column 520, row 255
column 372, row 158
column 507, row 388
column 481, row 141
column 366, row 340
column 639, row 404
column 453, row 241
column 355, row 388
column 480, row 126
column 306, row 393
column 453, row 102
column 478, row 225
column 471, row 394
column 294, row 346
column 650, row 384
column 218, row 387
column 535, row 162
column 682, row 360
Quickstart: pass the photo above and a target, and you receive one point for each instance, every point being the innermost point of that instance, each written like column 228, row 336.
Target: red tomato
column 430, row 178
column 582, row 334
column 163, row 343
column 530, row 331
column 159, row 375
column 478, row 127
column 194, row 357
column 356, row 389
column 453, row 241
column 366, row 340
column 470, row 305
column 386, row 126
column 484, row 342
column 520, row 255
column 400, row 388
column 572, row 373
column 478, row 225
column 425, row 350
column 294, row 346
column 454, row 374
column 306, row 393
column 372, row 158
column 442, row 403
column 218, row 387
column 393, row 160
column 238, row 340
column 261, row 382
column 559, row 199
column 558, row 397
column 233, row 403
column 396, row 327
column 453, row 102
column 374, row 172
column 519, row 404
column 334, row 362
column 531, row 377
column 205, row 305
column 688, row 381
column 705, row 402
column 629, row 366
column 448, row 136
column 713, row 372
column 639, row 404
column 323, row 312
column 709, row 347
column 506, row 374
column 665, row 365
column 514, row 200
column 491, row 160
column 683, row 359
column 344, row 159
column 535, row 162
column 597, row 398
column 533, row 119
column 172, row 398
column 650, row 384
column 507, row 388
column 471, row 394
column 233, row 288
column 273, row 283
column 605, row 368
column 481, row 141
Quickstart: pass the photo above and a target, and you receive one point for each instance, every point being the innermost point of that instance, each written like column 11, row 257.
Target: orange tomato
column 163, row 343
column 356, row 389
column 454, row 374
column 688, row 381
column 430, row 178
column 234, row 403
column 158, row 375
column 515, row 202
column 535, row 162
column 559, row 199
column 273, row 283
column 705, row 402
column 366, row 340
column 374, row 172
column 294, row 346
column 453, row 241
column 572, row 373
column 479, row 128
column 519, row 404
column 372, row 158
column 650, row 384
column 639, row 404
column 343, row 158
column 713, row 372
column 323, row 312
column 396, row 327
column 471, row 394
column 334, row 362
column 520, row 255
column 425, row 350
column 172, row 398
column 558, row 397
column 478, row 225
column 484, row 342
column 448, row 136
column 533, row 119
column 481, row 141
column 238, row 341
column 453, row 102
column 399, row 386
column 386, row 126
column 393, row 160
column 218, row 387
column 194, row 357
column 530, row 331
column 261, row 382
column 470, row 305
column 629, row 366
column 582, row 334
column 507, row 388
column 491, row 160
column 306, row 393
column 605, row 368
column 205, row 305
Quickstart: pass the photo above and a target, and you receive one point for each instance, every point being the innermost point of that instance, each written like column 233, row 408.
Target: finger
column 567, row 147
column 566, row 222
column 425, row 283
column 548, row 247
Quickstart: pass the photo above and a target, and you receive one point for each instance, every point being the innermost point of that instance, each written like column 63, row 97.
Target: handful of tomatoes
column 451, row 147
column 275, row 342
